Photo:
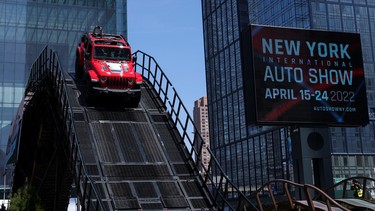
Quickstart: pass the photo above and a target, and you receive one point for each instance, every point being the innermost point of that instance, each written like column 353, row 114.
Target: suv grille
column 116, row 82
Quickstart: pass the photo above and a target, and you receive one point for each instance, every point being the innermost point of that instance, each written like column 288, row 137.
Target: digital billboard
column 294, row 76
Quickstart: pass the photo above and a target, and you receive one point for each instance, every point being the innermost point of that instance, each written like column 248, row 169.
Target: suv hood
column 115, row 67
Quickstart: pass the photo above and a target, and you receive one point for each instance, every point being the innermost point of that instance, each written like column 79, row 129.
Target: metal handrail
column 48, row 65
column 345, row 183
column 221, row 186
column 291, row 202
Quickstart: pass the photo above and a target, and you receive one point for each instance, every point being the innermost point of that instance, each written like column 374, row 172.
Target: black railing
column 47, row 65
column 223, row 191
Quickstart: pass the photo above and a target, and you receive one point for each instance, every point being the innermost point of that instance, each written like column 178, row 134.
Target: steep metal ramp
column 119, row 158
column 134, row 155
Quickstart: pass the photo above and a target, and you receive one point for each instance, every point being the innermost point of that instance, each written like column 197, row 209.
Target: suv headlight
column 104, row 67
column 125, row 67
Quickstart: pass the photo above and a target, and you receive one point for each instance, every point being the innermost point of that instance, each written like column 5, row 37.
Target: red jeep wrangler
column 106, row 64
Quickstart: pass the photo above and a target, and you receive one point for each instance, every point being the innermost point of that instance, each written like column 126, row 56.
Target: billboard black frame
column 292, row 110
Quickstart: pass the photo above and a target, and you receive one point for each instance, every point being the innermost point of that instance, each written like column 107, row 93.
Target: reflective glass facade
column 353, row 149
column 249, row 155
column 26, row 26
column 253, row 155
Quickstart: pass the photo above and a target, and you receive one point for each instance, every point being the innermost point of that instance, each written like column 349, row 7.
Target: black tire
column 89, row 92
column 134, row 100
column 78, row 68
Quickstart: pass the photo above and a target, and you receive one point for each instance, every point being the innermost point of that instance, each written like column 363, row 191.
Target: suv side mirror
column 134, row 58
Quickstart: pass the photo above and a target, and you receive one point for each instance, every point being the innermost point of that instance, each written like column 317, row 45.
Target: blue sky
column 171, row 31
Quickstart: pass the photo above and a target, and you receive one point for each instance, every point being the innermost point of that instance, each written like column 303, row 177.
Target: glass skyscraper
column 26, row 26
column 253, row 155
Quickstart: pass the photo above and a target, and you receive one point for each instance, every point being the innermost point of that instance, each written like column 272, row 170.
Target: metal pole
column 5, row 179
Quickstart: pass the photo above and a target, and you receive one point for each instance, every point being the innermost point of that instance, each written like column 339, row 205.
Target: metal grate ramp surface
column 135, row 157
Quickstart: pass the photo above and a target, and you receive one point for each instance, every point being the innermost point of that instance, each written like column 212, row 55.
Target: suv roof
column 100, row 38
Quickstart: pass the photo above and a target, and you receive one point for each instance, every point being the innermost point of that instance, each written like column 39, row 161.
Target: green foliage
column 25, row 199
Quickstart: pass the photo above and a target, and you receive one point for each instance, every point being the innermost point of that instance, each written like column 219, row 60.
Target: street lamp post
column 5, row 179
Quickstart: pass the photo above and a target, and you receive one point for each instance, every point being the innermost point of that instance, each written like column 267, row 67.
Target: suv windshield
column 108, row 53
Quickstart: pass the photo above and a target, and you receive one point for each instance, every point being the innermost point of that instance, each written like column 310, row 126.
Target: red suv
column 106, row 63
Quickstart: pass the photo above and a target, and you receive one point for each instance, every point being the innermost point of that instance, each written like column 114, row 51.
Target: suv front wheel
column 89, row 91
column 78, row 67
column 134, row 99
